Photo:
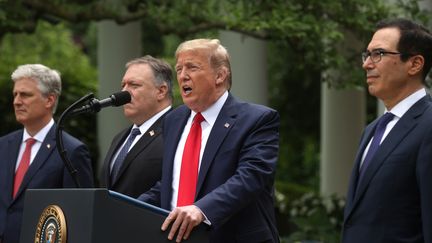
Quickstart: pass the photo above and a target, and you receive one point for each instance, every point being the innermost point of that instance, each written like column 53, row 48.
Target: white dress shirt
column 210, row 116
column 39, row 137
column 143, row 129
column 398, row 111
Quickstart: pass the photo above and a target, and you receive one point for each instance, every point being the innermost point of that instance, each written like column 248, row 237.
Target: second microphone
column 95, row 105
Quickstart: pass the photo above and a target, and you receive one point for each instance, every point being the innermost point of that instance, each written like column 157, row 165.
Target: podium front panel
column 100, row 216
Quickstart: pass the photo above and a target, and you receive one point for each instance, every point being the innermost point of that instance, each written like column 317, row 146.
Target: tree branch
column 99, row 10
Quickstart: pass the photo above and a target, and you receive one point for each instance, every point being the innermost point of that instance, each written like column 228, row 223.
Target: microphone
column 95, row 105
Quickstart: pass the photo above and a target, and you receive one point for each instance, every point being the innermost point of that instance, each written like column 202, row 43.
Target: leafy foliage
column 53, row 47
column 314, row 28
column 317, row 218
column 309, row 42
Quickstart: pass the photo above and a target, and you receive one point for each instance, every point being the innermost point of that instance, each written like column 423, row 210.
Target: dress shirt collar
column 212, row 112
column 40, row 136
column 147, row 124
column 402, row 107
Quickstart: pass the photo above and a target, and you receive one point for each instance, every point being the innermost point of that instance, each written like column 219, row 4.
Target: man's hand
column 185, row 219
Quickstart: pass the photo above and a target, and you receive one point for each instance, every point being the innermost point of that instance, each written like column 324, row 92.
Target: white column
column 342, row 122
column 249, row 66
column 117, row 44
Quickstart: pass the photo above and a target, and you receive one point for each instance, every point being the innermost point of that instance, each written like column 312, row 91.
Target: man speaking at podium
column 219, row 154
column 29, row 157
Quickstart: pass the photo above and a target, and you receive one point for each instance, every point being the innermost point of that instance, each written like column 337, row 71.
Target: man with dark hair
column 133, row 163
column 390, row 194
column 29, row 157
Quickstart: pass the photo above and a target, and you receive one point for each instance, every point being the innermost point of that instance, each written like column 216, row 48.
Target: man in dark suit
column 226, row 177
column 29, row 156
column 149, row 81
column 390, row 194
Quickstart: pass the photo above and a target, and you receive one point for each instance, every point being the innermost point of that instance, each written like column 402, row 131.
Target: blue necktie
column 379, row 132
column 123, row 153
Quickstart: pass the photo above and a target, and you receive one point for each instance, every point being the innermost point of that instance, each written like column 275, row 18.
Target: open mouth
column 187, row 90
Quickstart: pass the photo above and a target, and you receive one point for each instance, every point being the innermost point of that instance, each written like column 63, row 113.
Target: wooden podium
column 94, row 216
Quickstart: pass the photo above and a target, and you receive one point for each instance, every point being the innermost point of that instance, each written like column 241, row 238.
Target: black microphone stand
column 59, row 137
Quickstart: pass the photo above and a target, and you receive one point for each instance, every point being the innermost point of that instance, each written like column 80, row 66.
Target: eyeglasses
column 376, row 55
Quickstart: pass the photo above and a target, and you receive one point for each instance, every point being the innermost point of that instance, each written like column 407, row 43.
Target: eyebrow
column 376, row 49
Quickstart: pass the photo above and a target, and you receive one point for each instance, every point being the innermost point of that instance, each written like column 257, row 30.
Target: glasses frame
column 376, row 55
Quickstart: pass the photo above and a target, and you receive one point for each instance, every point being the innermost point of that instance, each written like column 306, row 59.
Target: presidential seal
column 52, row 226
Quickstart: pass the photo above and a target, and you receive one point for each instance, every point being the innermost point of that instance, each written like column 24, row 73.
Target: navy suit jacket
column 236, row 177
column 142, row 167
column 46, row 171
column 393, row 202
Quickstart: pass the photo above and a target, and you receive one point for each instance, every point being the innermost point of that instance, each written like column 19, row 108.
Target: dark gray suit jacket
column 142, row 167
column 393, row 202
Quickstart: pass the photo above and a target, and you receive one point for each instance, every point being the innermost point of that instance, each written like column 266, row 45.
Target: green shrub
column 317, row 218
column 54, row 47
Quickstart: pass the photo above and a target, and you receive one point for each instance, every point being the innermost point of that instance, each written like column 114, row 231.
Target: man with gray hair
column 29, row 155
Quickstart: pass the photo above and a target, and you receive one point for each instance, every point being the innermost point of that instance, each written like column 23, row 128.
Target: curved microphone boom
column 95, row 105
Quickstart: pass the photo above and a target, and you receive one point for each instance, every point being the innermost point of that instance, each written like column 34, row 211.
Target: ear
column 221, row 76
column 162, row 91
column 50, row 101
column 416, row 64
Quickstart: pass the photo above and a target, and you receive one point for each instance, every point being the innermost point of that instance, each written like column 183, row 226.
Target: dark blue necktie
column 123, row 153
column 379, row 132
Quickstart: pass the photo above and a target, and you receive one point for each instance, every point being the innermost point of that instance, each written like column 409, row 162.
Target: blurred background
column 300, row 57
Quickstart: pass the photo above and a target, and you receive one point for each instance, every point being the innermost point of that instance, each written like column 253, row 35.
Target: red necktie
column 189, row 166
column 23, row 166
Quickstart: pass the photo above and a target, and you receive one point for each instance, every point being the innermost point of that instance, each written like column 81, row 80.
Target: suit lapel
column 367, row 135
column 154, row 131
column 173, row 128
column 402, row 128
column 46, row 149
column 116, row 144
column 223, row 124
column 12, row 149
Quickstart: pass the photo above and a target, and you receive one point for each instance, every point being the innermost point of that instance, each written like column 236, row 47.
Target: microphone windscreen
column 121, row 98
